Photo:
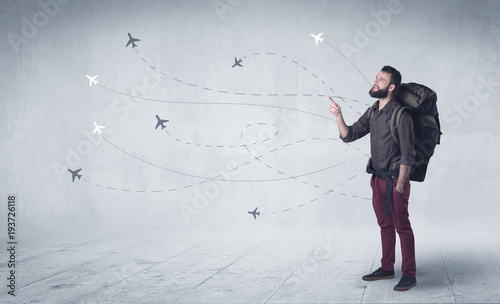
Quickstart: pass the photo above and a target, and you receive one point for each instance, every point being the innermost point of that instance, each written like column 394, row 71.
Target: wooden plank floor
column 216, row 266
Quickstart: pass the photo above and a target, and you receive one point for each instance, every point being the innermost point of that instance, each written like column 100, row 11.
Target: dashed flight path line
column 217, row 178
column 257, row 158
column 296, row 177
column 328, row 191
column 217, row 103
column 274, row 94
column 285, row 146
column 215, row 146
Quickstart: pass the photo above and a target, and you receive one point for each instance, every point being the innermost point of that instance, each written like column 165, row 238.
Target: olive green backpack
column 420, row 102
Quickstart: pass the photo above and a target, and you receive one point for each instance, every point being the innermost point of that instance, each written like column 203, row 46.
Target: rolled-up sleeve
column 358, row 129
column 406, row 139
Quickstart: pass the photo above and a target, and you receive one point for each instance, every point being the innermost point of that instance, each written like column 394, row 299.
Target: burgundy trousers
column 398, row 222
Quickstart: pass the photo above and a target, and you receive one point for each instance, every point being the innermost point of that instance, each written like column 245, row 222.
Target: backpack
column 420, row 102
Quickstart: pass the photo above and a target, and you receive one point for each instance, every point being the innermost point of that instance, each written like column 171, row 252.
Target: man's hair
column 395, row 76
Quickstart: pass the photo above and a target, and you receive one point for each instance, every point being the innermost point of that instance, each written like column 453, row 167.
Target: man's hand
column 400, row 188
column 404, row 171
column 335, row 108
column 337, row 112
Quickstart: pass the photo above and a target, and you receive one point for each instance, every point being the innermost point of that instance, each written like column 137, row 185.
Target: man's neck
column 384, row 101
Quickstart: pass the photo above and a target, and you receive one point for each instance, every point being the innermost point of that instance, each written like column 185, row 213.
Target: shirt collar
column 388, row 106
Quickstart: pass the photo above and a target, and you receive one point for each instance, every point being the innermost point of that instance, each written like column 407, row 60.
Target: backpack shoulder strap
column 370, row 111
column 395, row 118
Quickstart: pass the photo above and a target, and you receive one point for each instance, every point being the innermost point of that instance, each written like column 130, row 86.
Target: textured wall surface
column 237, row 137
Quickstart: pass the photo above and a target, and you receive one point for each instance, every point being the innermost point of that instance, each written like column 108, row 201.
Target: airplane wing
column 254, row 213
column 74, row 173
column 129, row 40
column 159, row 123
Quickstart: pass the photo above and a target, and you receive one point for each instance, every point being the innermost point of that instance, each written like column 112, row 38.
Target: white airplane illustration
column 237, row 62
column 92, row 80
column 254, row 213
column 160, row 123
column 317, row 37
column 75, row 174
column 132, row 41
column 97, row 128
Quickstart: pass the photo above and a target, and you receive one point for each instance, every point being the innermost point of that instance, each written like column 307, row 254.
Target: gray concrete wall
column 268, row 119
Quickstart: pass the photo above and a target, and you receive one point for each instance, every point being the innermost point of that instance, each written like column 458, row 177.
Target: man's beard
column 380, row 93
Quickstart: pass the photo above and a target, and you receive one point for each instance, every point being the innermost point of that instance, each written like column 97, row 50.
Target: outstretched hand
column 335, row 108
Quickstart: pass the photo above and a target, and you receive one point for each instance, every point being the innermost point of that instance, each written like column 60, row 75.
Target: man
column 390, row 165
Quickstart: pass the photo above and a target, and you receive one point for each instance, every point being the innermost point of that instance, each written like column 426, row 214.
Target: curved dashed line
column 287, row 145
column 215, row 103
column 268, row 94
column 246, row 163
column 316, row 186
column 225, row 146
column 216, row 178
column 253, row 94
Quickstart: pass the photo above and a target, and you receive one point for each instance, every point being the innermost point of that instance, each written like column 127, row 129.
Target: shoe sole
column 405, row 288
column 377, row 278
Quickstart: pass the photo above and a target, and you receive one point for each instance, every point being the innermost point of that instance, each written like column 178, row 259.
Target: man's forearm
column 404, row 171
column 343, row 128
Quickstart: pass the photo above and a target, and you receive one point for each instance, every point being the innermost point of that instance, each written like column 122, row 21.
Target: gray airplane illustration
column 160, row 123
column 132, row 41
column 75, row 174
column 237, row 62
column 254, row 213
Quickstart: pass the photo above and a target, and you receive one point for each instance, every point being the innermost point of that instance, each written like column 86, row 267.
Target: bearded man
column 390, row 165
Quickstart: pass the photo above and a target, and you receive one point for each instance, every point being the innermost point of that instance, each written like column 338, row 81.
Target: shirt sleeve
column 358, row 129
column 406, row 139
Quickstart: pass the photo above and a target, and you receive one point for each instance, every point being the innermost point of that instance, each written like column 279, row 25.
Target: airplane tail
column 258, row 213
column 79, row 176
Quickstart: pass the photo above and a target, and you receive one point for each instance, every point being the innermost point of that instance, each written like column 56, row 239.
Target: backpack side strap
column 395, row 118
column 370, row 111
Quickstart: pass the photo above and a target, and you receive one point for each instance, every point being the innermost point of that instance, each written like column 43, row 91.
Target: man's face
column 381, row 85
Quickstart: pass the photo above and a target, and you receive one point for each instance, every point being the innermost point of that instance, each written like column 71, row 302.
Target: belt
column 388, row 176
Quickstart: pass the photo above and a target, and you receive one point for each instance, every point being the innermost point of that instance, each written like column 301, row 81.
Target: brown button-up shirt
column 384, row 150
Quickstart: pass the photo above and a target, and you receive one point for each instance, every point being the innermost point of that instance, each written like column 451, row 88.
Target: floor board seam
column 291, row 274
column 448, row 276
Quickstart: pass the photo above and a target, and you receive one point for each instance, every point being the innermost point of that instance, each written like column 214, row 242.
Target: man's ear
column 392, row 87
